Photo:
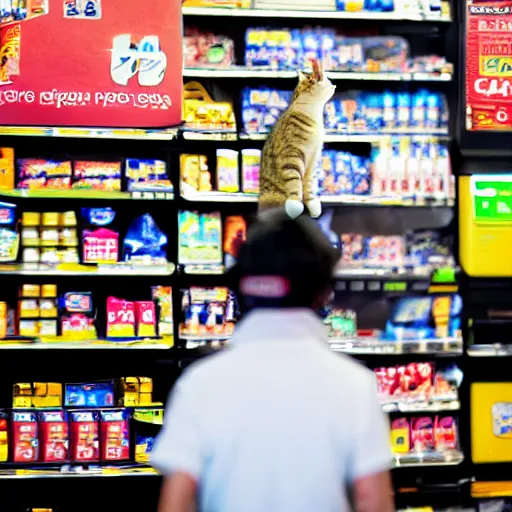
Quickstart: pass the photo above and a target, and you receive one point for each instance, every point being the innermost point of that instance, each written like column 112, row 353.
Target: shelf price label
column 492, row 198
column 395, row 286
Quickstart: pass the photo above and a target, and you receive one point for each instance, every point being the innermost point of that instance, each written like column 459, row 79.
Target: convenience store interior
column 114, row 246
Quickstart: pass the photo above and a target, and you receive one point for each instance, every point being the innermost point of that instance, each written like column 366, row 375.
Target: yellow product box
column 50, row 219
column 30, row 291
column 49, row 291
column 3, row 320
column 6, row 168
column 4, row 446
column 491, row 422
column 29, row 328
column 68, row 219
column 28, row 308
column 48, row 308
column 145, row 399
column 31, row 219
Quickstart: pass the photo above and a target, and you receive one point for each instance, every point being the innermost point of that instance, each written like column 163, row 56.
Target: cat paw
column 293, row 208
column 315, row 208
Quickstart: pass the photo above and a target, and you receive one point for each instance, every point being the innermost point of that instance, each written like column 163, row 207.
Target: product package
column 104, row 176
column 53, row 426
column 341, row 323
column 208, row 312
column 144, row 242
column 90, row 394
column 9, row 237
column 120, row 318
column 136, row 391
column 203, row 49
column 77, row 318
column 37, row 310
column 84, row 436
column 4, row 436
column 251, row 159
column 201, row 112
column 235, row 234
column 227, row 171
column 37, row 394
column 49, row 237
column 162, row 296
column 115, row 435
column 6, row 167
column 25, row 437
column 200, row 238
column 36, row 174
column 147, row 175
column 147, row 424
column 419, row 318
column 195, row 176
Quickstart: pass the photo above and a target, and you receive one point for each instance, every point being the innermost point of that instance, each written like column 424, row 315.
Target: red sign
column 97, row 63
column 489, row 65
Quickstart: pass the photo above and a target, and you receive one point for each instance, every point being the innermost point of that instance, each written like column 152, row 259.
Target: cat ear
column 302, row 76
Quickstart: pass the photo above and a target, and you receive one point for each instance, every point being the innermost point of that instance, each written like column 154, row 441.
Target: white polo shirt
column 277, row 423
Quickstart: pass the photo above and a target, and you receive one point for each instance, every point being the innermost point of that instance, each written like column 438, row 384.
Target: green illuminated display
column 492, row 198
column 400, row 286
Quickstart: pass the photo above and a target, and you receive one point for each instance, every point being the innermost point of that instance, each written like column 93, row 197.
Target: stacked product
column 84, row 424
column 354, row 112
column 103, row 176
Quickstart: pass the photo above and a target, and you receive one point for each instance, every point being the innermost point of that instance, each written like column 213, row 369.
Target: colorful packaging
column 25, row 437
column 35, row 174
column 446, row 433
column 194, row 174
column 100, row 246
column 54, row 436
column 136, row 391
column 97, row 175
column 120, row 318
column 6, row 167
column 227, row 171
column 400, row 436
column 9, row 238
column 115, row 436
column 4, row 436
column 144, row 242
column 200, row 239
column 422, row 434
column 162, row 295
column 84, row 437
column 235, row 234
column 147, row 175
column 145, row 318
column 90, row 394
column 147, row 423
column 203, row 49
column 251, row 171
column 77, row 316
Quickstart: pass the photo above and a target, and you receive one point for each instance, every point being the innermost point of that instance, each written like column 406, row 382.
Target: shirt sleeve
column 180, row 444
column 370, row 444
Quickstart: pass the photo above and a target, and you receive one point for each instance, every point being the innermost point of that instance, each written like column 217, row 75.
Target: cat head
column 314, row 87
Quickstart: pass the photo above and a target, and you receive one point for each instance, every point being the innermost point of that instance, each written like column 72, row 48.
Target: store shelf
column 496, row 350
column 209, row 135
column 69, row 269
column 91, row 133
column 453, row 458
column 434, row 136
column 87, row 194
column 422, row 406
column 68, row 472
column 311, row 14
column 60, row 343
column 370, row 346
column 245, row 72
column 346, row 199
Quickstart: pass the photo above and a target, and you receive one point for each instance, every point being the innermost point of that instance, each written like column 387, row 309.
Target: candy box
column 97, row 175
column 400, row 436
column 90, row 394
column 25, row 437
column 145, row 317
column 53, row 426
column 84, row 436
column 120, row 318
column 100, row 246
column 422, row 434
column 383, row 54
column 446, row 433
column 352, row 249
column 115, row 436
column 4, row 436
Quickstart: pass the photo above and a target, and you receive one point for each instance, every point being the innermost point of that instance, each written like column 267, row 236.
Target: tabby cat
column 293, row 148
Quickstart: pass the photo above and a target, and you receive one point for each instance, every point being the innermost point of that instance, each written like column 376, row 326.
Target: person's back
column 277, row 423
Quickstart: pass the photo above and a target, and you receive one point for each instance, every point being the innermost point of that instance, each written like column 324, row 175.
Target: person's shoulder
column 205, row 372
column 350, row 372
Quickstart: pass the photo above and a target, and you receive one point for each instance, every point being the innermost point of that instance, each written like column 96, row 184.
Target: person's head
column 285, row 263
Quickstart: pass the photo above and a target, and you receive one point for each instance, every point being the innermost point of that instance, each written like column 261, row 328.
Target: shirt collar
column 292, row 325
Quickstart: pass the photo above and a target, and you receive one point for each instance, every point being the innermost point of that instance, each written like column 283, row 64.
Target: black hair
column 294, row 249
